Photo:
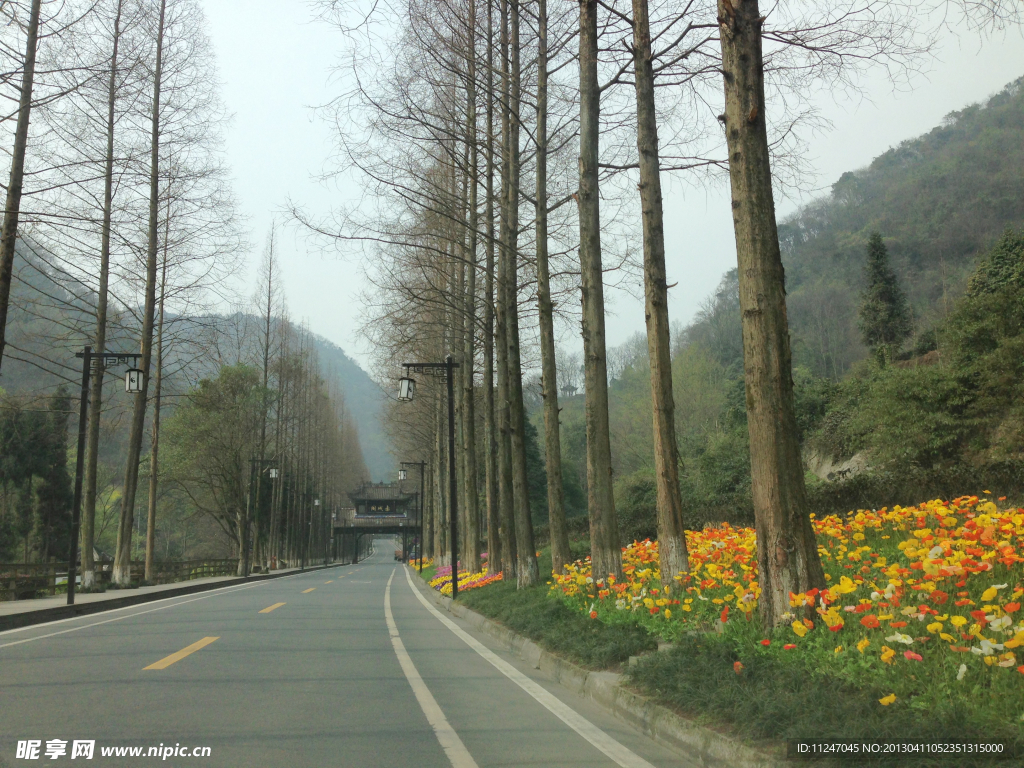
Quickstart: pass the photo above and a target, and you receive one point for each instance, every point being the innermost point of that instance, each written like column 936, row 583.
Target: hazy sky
column 275, row 63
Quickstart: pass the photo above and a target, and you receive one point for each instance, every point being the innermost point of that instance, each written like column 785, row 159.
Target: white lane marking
column 446, row 735
column 210, row 593
column 598, row 738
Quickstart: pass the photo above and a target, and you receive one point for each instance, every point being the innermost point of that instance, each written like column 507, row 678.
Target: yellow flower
column 839, row 649
column 863, row 644
column 799, row 628
column 668, row 613
column 887, row 700
column 957, row 621
column 887, row 654
column 989, row 594
column 947, row 638
column 934, row 627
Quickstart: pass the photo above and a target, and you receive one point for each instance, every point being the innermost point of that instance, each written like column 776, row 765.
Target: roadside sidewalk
column 23, row 613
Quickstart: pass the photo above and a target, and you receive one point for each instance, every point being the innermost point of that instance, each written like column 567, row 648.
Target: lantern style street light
column 134, row 380
column 403, row 475
column 406, row 389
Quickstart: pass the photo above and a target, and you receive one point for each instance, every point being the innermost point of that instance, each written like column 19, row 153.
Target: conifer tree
column 885, row 318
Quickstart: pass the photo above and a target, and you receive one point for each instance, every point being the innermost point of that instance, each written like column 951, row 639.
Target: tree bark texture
column 527, row 574
column 671, row 534
column 506, row 496
column 606, row 553
column 560, row 554
column 123, row 554
column 786, row 547
column 154, row 446
column 100, row 340
column 12, row 207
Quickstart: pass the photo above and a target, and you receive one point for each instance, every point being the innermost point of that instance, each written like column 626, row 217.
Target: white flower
column 1000, row 623
column 901, row 638
column 876, row 596
column 962, row 672
column 787, row 616
column 935, row 552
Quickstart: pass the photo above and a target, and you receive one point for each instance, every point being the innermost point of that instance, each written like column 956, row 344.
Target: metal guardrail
column 23, row 581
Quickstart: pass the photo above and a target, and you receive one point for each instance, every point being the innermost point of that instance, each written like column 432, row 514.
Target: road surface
column 348, row 666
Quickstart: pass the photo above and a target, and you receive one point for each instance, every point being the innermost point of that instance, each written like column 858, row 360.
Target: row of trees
column 499, row 140
column 120, row 232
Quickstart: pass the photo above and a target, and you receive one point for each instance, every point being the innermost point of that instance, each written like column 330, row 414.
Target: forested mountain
column 926, row 425
column 938, row 200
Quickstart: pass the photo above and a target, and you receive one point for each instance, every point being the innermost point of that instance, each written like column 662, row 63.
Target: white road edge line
column 615, row 751
column 209, row 593
column 446, row 735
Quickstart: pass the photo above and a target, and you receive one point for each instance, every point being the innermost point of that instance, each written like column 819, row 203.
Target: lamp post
column 406, row 390
column 132, row 383
column 423, row 468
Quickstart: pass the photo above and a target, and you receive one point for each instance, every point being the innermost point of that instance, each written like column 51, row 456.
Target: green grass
column 778, row 697
column 556, row 627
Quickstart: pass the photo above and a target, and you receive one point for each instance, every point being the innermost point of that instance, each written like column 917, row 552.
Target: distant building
column 382, row 500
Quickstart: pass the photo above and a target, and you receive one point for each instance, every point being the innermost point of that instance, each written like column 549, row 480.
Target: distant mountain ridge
column 939, row 200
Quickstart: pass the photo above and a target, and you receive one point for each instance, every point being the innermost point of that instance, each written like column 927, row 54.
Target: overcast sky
column 275, row 63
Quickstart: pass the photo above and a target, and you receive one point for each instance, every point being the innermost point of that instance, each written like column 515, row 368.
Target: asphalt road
column 341, row 667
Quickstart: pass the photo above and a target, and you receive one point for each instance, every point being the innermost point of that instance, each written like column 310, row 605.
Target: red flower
column 593, row 614
column 870, row 621
column 835, row 627
column 725, row 614
column 1011, row 607
column 897, row 624
column 938, row 597
column 766, row 642
column 978, row 615
column 961, row 603
column 737, row 666
column 911, row 656
column 788, row 647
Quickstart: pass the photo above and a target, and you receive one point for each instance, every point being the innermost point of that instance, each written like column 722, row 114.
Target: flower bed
column 923, row 601
column 442, row 580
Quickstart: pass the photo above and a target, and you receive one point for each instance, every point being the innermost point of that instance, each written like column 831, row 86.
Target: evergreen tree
column 885, row 318
column 1001, row 268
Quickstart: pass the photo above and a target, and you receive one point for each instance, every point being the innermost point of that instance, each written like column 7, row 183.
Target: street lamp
column 403, row 475
column 134, row 380
column 252, row 506
column 406, row 389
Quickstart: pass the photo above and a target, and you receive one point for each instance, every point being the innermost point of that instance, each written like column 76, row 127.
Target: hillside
column 938, row 200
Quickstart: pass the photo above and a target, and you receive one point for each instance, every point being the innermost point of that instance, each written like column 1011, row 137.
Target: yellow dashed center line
column 269, row 608
column 307, row 591
column 165, row 662
column 329, row 582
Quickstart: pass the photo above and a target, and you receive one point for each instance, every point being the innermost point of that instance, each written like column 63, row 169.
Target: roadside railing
column 24, row 581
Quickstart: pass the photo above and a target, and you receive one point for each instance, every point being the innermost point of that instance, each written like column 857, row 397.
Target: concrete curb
column 699, row 745
column 44, row 615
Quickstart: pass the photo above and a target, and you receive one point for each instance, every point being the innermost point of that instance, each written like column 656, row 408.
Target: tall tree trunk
column 506, row 496
column 787, row 551
column 123, row 556
column 527, row 573
column 100, row 341
column 494, row 556
column 441, row 516
column 12, row 207
column 471, row 505
column 604, row 527
column 154, row 447
column 560, row 555
column 671, row 534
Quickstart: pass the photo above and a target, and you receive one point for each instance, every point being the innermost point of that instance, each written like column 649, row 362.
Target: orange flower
column 593, row 614
column 870, row 621
column 737, row 667
column 725, row 614
column 897, row 624
column 788, row 647
column 766, row 642
column 1011, row 607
